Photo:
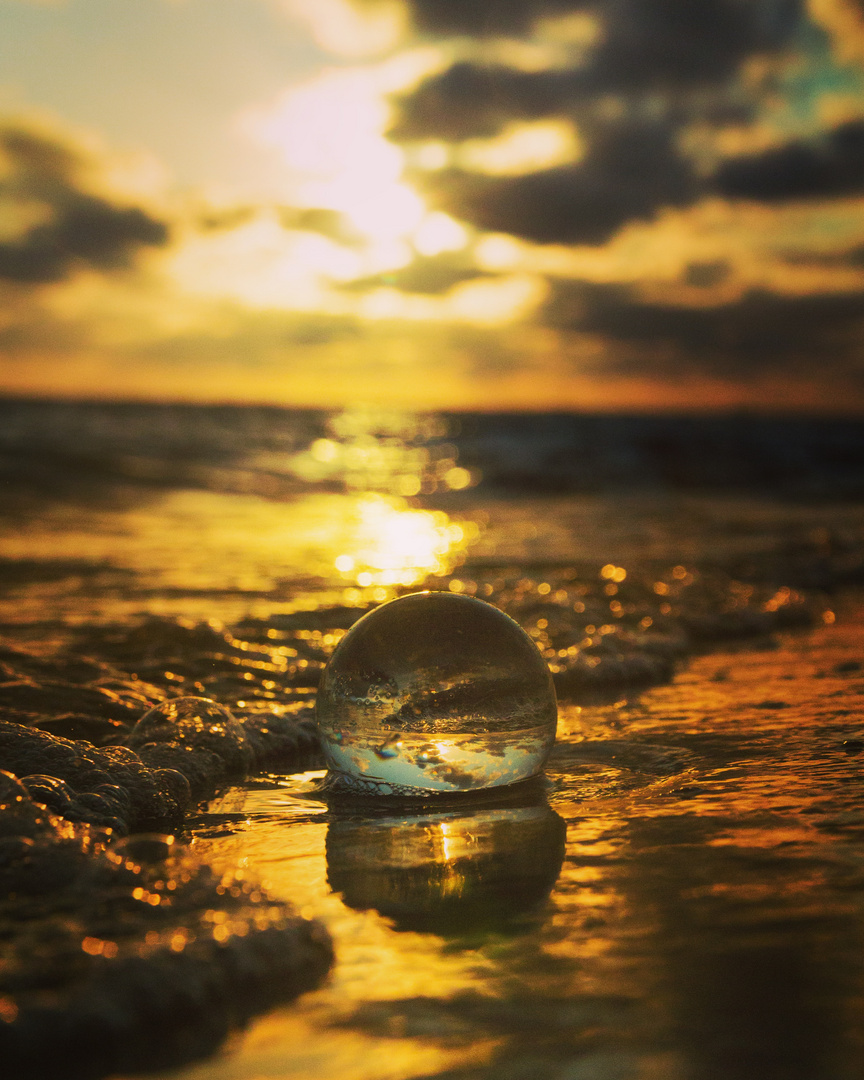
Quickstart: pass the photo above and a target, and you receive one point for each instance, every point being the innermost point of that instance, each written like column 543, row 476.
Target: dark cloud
column 760, row 331
column 644, row 29
column 431, row 276
column 82, row 228
column 470, row 100
column 673, row 44
column 629, row 171
column 476, row 100
column 484, row 18
column 657, row 67
column 831, row 165
column 646, row 46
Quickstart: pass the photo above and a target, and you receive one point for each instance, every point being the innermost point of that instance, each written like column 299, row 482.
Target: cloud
column 630, row 169
column 824, row 167
column 481, row 18
column 431, row 276
column 643, row 31
column 54, row 222
column 673, row 44
column 236, row 300
column 643, row 46
column 655, row 71
column 657, row 238
column 758, row 332
column 471, row 100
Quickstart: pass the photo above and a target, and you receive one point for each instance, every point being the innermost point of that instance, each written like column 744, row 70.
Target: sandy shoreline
column 705, row 649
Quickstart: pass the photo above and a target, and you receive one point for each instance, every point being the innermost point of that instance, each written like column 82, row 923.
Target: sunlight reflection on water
column 389, row 452
column 355, row 529
column 285, row 843
column 707, row 919
column 382, row 459
column 392, row 544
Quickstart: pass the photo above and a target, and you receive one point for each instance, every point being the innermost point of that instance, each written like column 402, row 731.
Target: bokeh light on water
column 391, row 543
column 391, row 452
column 706, row 919
column 353, row 515
column 382, row 460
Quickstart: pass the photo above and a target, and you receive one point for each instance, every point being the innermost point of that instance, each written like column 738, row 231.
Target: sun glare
column 395, row 545
column 437, row 233
column 329, row 133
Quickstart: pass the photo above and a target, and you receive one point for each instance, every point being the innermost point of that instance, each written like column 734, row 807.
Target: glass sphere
column 435, row 692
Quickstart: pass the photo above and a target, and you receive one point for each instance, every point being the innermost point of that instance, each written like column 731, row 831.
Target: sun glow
column 498, row 301
column 264, row 265
column 341, row 28
column 437, row 233
column 522, row 148
column 329, row 132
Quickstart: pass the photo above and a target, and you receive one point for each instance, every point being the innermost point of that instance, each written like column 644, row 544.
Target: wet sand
column 705, row 922
column 681, row 899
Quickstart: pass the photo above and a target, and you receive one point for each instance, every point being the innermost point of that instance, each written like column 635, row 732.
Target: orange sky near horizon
column 440, row 391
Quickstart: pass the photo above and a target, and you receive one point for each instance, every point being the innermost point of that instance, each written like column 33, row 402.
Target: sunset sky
column 542, row 204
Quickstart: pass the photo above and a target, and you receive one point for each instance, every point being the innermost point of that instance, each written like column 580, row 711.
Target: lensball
column 435, row 692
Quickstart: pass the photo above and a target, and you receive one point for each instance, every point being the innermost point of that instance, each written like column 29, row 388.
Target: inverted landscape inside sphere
column 436, row 692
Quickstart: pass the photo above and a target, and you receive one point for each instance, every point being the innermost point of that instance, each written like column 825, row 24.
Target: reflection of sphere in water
column 447, row 872
column 435, row 692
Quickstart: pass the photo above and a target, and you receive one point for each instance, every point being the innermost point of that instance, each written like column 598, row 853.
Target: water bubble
column 184, row 717
column 435, row 692
column 196, row 723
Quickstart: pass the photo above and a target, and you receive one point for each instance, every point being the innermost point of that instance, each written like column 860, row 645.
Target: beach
column 680, row 897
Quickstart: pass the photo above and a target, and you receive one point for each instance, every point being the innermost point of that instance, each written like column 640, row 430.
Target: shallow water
column 704, row 919
column 682, row 899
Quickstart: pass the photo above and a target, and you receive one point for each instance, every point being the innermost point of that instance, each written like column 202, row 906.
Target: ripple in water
column 435, row 692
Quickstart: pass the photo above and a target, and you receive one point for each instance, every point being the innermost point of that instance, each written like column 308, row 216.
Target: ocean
column 681, row 897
